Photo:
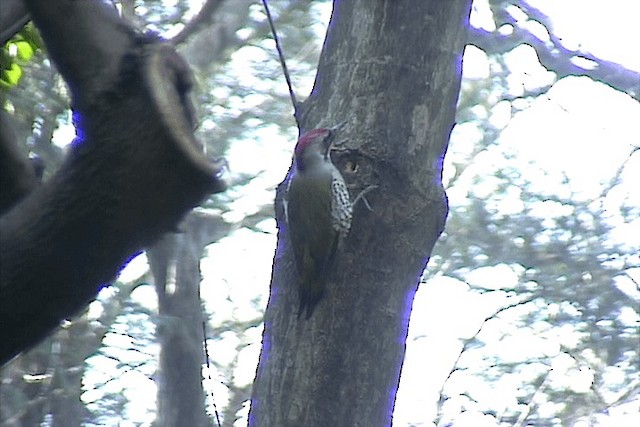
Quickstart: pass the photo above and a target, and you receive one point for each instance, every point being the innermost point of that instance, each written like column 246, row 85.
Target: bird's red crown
column 309, row 137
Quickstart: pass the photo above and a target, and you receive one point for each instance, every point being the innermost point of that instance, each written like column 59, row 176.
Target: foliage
column 16, row 53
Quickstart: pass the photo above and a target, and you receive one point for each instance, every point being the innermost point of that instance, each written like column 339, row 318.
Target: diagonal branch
column 203, row 17
column 554, row 56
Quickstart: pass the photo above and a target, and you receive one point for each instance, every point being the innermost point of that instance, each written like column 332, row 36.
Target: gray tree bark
column 393, row 70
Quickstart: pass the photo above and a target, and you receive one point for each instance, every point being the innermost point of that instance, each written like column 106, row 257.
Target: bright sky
column 590, row 130
column 589, row 127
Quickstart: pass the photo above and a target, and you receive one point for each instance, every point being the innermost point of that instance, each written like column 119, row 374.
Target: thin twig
column 205, row 15
column 206, row 355
column 524, row 414
column 282, row 62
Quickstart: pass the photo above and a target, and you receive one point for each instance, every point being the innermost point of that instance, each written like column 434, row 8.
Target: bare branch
column 554, row 56
column 202, row 18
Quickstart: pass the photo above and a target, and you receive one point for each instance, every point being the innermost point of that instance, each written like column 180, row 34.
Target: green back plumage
column 313, row 238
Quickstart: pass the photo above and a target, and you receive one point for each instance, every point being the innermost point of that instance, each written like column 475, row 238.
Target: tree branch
column 13, row 16
column 203, row 17
column 554, row 56
column 133, row 171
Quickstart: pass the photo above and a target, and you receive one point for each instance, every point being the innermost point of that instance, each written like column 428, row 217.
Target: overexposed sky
column 580, row 129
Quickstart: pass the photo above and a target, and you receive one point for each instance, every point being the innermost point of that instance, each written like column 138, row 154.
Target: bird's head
column 317, row 140
column 316, row 144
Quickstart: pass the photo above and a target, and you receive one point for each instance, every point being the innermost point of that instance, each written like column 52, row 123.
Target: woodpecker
column 318, row 210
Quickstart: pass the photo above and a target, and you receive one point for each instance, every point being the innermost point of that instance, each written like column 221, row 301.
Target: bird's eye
column 329, row 135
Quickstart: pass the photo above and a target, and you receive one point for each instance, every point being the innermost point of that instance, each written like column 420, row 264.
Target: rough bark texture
column 393, row 69
column 133, row 172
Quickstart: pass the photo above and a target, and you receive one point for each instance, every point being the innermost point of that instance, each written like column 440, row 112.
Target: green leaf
column 12, row 75
column 25, row 50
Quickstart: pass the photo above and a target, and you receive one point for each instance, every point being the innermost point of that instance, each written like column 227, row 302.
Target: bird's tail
column 311, row 292
column 314, row 279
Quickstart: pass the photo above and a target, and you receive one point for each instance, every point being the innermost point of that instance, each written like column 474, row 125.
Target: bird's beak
column 339, row 126
column 334, row 131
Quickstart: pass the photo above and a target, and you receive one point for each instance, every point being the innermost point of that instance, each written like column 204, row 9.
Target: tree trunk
column 175, row 265
column 393, row 70
column 67, row 408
